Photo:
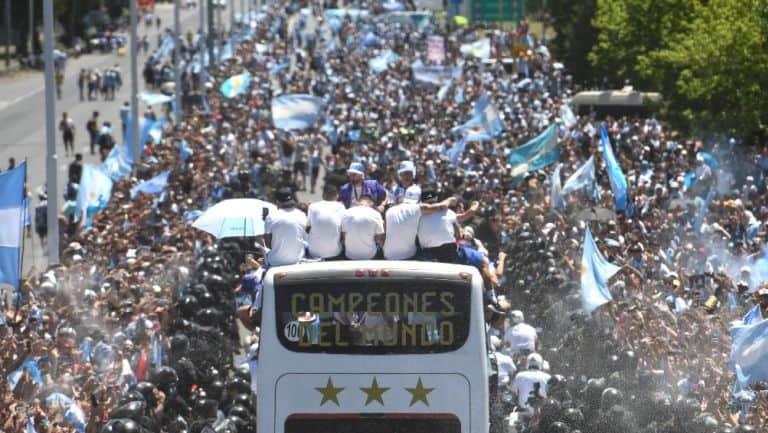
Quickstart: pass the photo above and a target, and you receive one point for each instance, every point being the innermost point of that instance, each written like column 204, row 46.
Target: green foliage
column 709, row 58
column 572, row 20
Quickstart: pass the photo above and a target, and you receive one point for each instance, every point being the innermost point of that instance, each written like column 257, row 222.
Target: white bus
column 373, row 347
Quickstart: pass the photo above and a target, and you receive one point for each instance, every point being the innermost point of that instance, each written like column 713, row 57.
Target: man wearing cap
column 285, row 231
column 439, row 230
column 357, row 186
column 325, row 225
column 525, row 382
column 408, row 191
column 402, row 222
column 520, row 337
column 362, row 230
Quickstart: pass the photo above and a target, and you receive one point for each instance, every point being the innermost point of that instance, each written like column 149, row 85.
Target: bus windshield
column 367, row 317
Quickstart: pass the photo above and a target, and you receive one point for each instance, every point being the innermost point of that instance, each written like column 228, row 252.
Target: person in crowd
column 67, row 129
column 362, row 229
column 325, row 216
column 75, row 171
column 92, row 126
column 285, row 231
column 350, row 192
column 407, row 191
column 520, row 337
column 438, row 231
column 530, row 385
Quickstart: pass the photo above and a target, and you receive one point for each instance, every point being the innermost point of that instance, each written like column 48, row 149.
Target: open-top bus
column 373, row 346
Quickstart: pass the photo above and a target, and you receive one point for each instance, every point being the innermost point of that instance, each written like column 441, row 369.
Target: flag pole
column 23, row 241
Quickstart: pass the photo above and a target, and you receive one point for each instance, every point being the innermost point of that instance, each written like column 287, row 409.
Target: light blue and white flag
column 298, row 111
column 381, row 62
column 583, row 177
column 566, row 114
column 485, row 123
column 29, row 427
column 151, row 98
column 458, row 96
column 536, row 154
column 754, row 315
column 749, row 351
column 34, row 373
column 455, row 152
column 615, row 175
column 166, row 48
column 480, row 48
column 443, row 92
column 157, row 351
column 116, row 165
column 93, row 193
column 555, row 189
column 595, row 273
column 75, row 416
column 185, row 152
column 235, row 85
column 153, row 186
column 12, row 212
column 437, row 75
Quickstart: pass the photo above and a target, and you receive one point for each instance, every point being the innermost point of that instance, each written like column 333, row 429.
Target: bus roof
column 624, row 97
column 379, row 269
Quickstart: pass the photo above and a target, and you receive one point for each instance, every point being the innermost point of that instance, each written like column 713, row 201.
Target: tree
column 628, row 31
column 722, row 65
column 572, row 20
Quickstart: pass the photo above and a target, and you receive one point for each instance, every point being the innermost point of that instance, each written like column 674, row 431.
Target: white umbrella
column 238, row 217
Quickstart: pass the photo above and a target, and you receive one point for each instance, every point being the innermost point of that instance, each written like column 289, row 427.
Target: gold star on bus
column 329, row 392
column 374, row 393
column 419, row 393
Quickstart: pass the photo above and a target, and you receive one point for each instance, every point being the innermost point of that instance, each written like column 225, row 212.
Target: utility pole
column 7, row 34
column 211, row 33
column 135, row 145
column 51, row 160
column 231, row 15
column 31, row 27
column 201, row 47
column 177, row 55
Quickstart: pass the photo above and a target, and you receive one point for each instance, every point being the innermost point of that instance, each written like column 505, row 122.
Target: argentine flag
column 595, row 273
column 296, row 111
column 11, row 223
column 480, row 49
column 235, row 85
column 93, row 194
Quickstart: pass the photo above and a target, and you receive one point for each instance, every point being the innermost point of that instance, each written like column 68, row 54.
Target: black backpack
column 41, row 217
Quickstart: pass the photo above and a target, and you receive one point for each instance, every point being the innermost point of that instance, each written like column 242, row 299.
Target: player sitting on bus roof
column 402, row 225
column 362, row 229
column 285, row 231
column 324, row 240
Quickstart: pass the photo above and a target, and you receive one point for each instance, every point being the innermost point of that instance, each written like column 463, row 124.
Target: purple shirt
column 347, row 194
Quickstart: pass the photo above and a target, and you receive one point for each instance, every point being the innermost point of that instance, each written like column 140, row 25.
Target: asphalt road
column 22, row 115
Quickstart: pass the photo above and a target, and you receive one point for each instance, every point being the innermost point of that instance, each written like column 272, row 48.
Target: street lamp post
column 51, row 165
column 31, row 28
column 177, row 54
column 135, row 86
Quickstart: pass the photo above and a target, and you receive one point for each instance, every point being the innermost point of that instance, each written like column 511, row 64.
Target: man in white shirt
column 520, row 337
column 402, row 223
column 408, row 191
column 438, row 231
column 362, row 229
column 526, row 381
column 325, row 225
column 285, row 231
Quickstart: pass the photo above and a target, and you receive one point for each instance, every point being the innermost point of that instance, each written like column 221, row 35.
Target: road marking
column 6, row 104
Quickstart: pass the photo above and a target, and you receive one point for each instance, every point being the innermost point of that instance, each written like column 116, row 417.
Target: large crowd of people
column 135, row 329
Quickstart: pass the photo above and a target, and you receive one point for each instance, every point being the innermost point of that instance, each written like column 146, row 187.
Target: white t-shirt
column 522, row 384
column 506, row 367
column 325, row 228
column 360, row 224
column 436, row 229
column 402, row 227
column 521, row 337
column 288, row 229
column 412, row 194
